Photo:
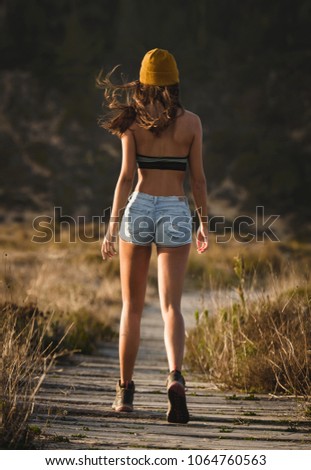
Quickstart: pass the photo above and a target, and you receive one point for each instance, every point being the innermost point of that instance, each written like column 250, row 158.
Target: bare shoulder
column 191, row 115
column 128, row 134
column 192, row 119
column 128, row 141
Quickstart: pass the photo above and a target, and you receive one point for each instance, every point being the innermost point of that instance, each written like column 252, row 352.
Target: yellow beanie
column 158, row 67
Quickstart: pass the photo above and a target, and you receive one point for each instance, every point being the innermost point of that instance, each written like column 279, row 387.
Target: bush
column 260, row 344
column 26, row 360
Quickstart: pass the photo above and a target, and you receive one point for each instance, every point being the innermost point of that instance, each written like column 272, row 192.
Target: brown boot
column 124, row 396
column 177, row 407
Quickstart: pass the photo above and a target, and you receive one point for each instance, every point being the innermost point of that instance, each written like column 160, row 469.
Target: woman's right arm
column 198, row 184
column 121, row 193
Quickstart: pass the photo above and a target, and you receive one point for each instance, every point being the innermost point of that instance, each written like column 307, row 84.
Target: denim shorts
column 164, row 220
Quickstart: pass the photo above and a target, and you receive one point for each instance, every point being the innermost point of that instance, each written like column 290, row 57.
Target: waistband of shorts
column 151, row 198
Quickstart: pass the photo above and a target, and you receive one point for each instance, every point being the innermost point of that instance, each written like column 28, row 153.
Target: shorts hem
column 173, row 246
column 133, row 243
column 156, row 244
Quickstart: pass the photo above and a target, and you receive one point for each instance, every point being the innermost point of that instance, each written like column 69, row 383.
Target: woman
column 161, row 138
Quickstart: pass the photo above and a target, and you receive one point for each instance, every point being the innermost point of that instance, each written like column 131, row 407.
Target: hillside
column 244, row 67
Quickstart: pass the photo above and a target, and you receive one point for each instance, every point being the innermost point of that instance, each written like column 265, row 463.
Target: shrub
column 25, row 362
column 260, row 343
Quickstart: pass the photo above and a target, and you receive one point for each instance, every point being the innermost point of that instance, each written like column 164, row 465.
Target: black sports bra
column 162, row 163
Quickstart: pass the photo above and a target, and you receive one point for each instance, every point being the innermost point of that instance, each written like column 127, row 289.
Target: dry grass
column 67, row 279
column 71, row 281
column 71, row 278
column 53, row 297
column 26, row 360
column 215, row 269
column 262, row 342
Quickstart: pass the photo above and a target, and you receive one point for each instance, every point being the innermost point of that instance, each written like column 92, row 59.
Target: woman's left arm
column 121, row 193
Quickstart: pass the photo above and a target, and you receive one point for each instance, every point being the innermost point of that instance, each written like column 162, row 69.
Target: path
column 73, row 409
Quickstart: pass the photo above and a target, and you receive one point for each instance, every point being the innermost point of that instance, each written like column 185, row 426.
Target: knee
column 132, row 309
column 171, row 311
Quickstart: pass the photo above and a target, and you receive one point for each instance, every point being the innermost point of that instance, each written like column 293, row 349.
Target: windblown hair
column 128, row 104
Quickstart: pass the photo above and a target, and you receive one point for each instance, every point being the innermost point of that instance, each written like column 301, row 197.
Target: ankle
column 126, row 383
column 175, row 376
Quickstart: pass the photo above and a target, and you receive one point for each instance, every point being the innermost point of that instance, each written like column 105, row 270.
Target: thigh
column 134, row 265
column 172, row 264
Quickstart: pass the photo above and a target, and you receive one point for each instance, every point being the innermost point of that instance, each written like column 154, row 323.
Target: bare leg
column 134, row 265
column 172, row 264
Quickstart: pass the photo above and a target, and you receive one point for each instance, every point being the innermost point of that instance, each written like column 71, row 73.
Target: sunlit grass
column 26, row 358
column 259, row 342
column 262, row 340
column 72, row 277
column 65, row 278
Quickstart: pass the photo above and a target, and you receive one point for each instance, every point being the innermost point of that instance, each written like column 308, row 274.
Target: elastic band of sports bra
column 162, row 163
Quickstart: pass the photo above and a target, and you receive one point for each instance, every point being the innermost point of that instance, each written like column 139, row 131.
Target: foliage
column 86, row 334
column 25, row 361
column 260, row 344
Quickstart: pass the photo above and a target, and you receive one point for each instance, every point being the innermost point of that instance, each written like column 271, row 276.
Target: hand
column 202, row 240
column 108, row 248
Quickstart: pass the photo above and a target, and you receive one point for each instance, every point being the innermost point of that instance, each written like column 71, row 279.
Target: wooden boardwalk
column 73, row 409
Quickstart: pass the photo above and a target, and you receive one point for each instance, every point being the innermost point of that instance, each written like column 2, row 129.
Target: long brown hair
column 128, row 104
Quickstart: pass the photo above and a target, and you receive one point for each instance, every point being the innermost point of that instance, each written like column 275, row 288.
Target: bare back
column 175, row 141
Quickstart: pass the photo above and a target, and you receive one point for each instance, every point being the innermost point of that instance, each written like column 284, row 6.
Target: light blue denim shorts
column 164, row 220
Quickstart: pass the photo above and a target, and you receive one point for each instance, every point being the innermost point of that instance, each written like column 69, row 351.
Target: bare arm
column 198, row 184
column 121, row 193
